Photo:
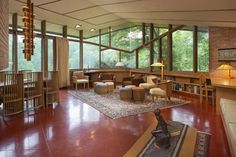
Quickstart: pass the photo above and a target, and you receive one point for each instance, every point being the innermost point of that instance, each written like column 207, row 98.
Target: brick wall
column 220, row 37
column 4, row 6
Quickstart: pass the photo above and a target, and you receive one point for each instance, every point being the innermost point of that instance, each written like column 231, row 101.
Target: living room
column 117, row 78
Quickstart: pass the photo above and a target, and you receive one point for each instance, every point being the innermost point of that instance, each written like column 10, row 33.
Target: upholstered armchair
column 162, row 89
column 108, row 77
column 79, row 78
column 150, row 82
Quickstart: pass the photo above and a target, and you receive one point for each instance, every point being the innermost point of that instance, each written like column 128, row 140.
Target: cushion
column 157, row 92
column 230, row 116
column 78, row 74
column 232, row 129
column 147, row 85
column 82, row 81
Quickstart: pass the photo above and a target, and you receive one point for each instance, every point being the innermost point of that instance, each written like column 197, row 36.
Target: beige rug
column 111, row 105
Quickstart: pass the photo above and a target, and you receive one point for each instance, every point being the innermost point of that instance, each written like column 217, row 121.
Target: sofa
column 228, row 114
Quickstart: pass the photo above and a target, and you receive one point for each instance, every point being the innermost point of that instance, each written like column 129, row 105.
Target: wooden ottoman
column 100, row 88
column 138, row 93
column 110, row 86
column 126, row 92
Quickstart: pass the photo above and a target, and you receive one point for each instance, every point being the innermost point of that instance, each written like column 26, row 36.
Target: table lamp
column 226, row 66
column 119, row 64
column 159, row 64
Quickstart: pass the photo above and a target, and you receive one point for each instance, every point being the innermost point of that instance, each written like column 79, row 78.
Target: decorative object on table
column 185, row 141
column 119, row 64
column 28, row 29
column 112, row 106
column 159, row 64
column 161, row 133
column 228, row 67
column 227, row 54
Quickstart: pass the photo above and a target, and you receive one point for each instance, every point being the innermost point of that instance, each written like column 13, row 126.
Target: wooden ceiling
column 104, row 13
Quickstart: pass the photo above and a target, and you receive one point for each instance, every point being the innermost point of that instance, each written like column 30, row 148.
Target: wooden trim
column 44, row 48
column 169, row 48
column 81, row 49
column 109, row 36
column 64, row 31
column 195, row 49
column 159, row 37
column 100, row 48
column 136, row 57
column 15, row 41
column 143, row 33
column 151, row 45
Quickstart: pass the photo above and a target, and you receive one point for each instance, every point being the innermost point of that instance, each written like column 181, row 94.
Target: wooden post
column 136, row 57
column 14, row 42
column 169, row 48
column 160, row 49
column 195, row 49
column 143, row 33
column 100, row 48
column 151, row 45
column 64, row 31
column 109, row 36
column 44, row 48
column 81, row 49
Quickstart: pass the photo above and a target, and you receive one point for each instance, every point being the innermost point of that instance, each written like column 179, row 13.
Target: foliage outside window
column 35, row 63
column 183, row 50
column 144, row 58
column 109, row 58
column 203, row 51
column 164, row 52
column 74, row 55
column 90, row 56
column 93, row 39
column 128, row 59
column 105, row 39
column 50, row 55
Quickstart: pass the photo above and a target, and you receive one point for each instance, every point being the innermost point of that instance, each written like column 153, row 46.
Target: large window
column 109, row 58
column 183, row 50
column 144, row 58
column 203, row 51
column 128, row 59
column 10, row 64
column 50, row 55
column 164, row 52
column 74, row 55
column 91, row 56
column 35, row 63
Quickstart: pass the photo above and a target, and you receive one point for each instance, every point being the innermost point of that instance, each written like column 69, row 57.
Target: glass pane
column 91, row 56
column 35, row 63
column 10, row 64
column 50, row 55
column 109, row 58
column 128, row 59
column 74, row 55
column 155, row 55
column 183, row 50
column 203, row 51
column 143, row 57
column 93, row 39
column 105, row 39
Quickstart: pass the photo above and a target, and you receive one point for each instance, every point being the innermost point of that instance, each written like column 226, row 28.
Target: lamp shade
column 119, row 64
column 157, row 64
column 225, row 67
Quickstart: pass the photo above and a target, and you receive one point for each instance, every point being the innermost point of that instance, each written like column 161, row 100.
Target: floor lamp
column 226, row 66
column 159, row 64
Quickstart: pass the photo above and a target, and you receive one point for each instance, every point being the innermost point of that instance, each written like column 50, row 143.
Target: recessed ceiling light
column 92, row 29
column 77, row 26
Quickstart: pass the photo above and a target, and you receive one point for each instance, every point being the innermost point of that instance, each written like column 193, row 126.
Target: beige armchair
column 163, row 89
column 150, row 82
column 79, row 78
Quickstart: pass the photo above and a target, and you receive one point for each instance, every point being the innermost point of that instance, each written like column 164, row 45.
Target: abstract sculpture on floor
column 161, row 133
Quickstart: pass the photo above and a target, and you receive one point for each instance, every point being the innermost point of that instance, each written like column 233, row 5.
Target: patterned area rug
column 185, row 142
column 111, row 105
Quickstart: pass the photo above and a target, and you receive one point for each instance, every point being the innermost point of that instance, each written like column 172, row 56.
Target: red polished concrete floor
column 75, row 129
